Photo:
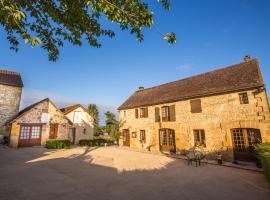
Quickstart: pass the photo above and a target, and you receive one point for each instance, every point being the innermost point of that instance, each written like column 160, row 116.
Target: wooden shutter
column 146, row 112
column 196, row 106
column 203, row 138
column 136, row 113
column 172, row 113
column 157, row 114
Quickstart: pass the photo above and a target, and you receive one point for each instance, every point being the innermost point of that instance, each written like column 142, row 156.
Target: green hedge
column 263, row 151
column 58, row 144
column 95, row 142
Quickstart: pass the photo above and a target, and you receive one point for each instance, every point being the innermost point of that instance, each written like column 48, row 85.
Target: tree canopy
column 51, row 22
column 94, row 110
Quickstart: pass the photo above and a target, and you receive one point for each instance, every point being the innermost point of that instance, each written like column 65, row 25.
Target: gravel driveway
column 113, row 173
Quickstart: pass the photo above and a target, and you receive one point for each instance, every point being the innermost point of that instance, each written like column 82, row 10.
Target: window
column 165, row 111
column 243, row 98
column 35, row 132
column 168, row 113
column 196, row 106
column 143, row 112
column 125, row 113
column 84, row 131
column 134, row 134
column 199, row 137
column 25, row 133
column 142, row 136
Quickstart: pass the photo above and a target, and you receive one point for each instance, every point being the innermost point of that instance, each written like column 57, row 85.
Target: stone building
column 10, row 96
column 83, row 122
column 37, row 123
column 225, row 110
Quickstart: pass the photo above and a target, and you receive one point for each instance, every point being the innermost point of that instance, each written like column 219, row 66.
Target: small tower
column 10, row 97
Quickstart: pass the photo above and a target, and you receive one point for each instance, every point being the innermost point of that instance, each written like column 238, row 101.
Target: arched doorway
column 243, row 140
column 167, row 140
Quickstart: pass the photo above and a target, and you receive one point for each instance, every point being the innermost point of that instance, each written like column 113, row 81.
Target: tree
column 112, row 125
column 51, row 22
column 94, row 110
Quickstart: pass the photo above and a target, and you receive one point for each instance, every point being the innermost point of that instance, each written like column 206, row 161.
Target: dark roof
column 69, row 109
column 237, row 77
column 10, row 78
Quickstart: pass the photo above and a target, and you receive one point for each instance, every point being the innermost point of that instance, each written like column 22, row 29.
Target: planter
column 219, row 159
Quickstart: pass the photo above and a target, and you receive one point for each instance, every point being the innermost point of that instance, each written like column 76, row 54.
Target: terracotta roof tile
column 10, row 78
column 237, row 77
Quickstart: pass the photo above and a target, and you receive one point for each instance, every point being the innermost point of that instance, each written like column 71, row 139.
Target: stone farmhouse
column 83, row 122
column 37, row 123
column 10, row 97
column 225, row 111
column 40, row 121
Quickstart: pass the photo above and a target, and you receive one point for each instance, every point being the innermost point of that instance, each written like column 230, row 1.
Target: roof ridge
column 4, row 71
column 198, row 75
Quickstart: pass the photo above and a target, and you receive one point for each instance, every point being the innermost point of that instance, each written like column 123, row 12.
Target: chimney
column 141, row 88
column 247, row 58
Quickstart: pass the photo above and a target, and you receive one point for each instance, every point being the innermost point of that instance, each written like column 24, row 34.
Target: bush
column 263, row 151
column 58, row 144
column 95, row 142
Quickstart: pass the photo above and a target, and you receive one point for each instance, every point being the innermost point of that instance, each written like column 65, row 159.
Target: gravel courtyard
column 114, row 173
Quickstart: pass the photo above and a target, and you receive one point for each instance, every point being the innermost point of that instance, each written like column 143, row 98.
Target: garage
column 30, row 135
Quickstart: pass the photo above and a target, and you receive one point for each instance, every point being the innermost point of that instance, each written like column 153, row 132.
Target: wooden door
column 243, row 143
column 73, row 135
column 167, row 140
column 53, row 131
column 30, row 135
column 126, row 138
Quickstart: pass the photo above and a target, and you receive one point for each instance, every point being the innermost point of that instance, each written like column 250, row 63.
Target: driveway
column 114, row 173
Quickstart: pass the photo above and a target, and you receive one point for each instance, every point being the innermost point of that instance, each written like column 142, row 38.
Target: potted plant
column 219, row 158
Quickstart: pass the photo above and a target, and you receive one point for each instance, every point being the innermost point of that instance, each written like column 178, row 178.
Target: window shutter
column 172, row 113
column 196, row 106
column 203, row 138
column 157, row 114
column 146, row 112
column 136, row 113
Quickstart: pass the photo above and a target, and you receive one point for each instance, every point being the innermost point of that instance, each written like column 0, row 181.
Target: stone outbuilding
column 83, row 122
column 10, row 97
column 37, row 123
column 223, row 111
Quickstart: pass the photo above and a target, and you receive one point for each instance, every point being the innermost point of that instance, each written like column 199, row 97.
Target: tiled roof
column 69, row 109
column 10, row 78
column 237, row 77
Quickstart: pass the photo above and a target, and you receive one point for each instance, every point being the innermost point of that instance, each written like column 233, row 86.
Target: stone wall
column 10, row 98
column 33, row 116
column 220, row 114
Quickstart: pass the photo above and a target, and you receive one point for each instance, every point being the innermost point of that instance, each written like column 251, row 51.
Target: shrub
column 95, row 142
column 58, row 144
column 263, row 151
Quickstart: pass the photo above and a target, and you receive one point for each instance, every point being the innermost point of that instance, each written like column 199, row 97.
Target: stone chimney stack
column 141, row 88
column 247, row 58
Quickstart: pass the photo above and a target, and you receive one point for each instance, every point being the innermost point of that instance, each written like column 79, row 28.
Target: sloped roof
column 245, row 75
column 32, row 106
column 10, row 78
column 69, row 109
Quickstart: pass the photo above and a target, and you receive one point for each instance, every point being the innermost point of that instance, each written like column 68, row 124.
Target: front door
column 167, row 140
column 243, row 143
column 30, row 135
column 53, row 131
column 126, row 138
column 73, row 135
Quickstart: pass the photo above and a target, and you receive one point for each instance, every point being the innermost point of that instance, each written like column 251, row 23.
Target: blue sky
column 210, row 34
